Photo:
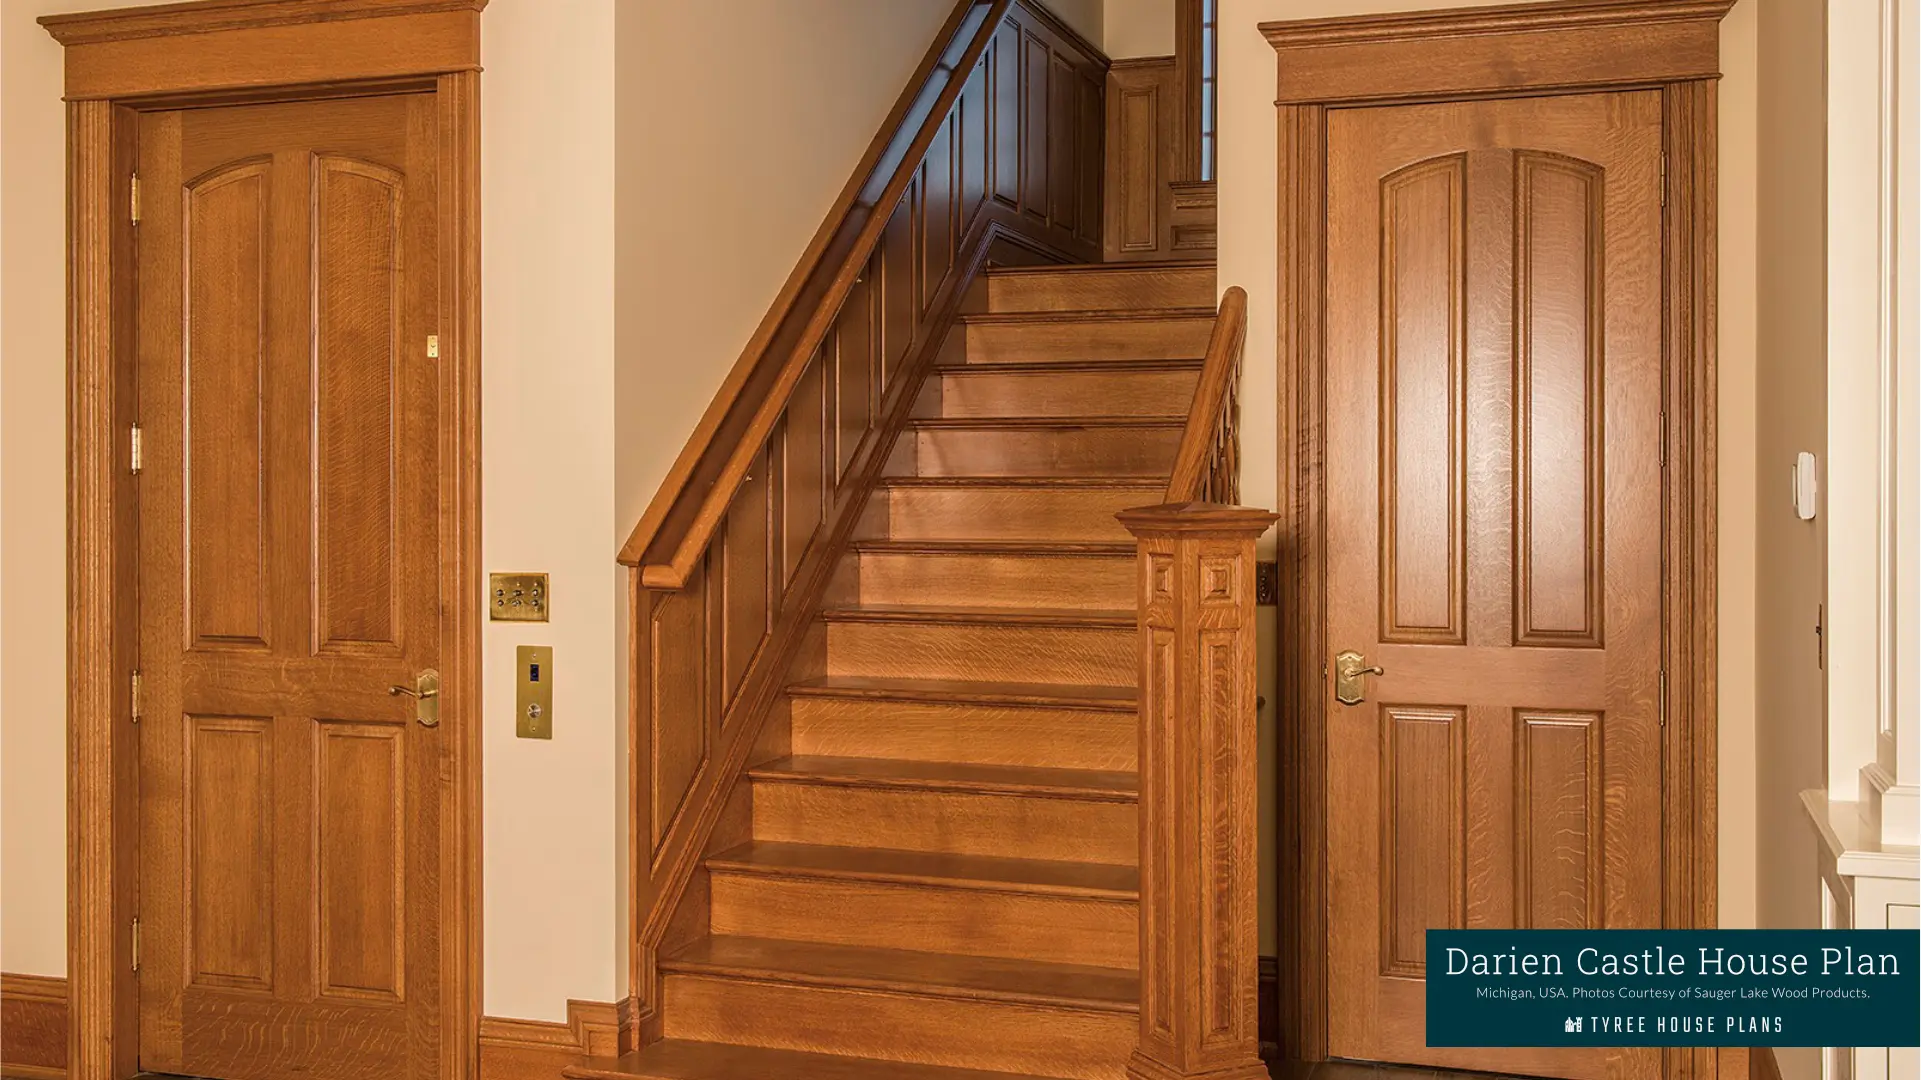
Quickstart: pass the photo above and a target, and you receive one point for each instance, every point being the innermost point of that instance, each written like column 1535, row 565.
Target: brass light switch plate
column 534, row 692
column 517, row 597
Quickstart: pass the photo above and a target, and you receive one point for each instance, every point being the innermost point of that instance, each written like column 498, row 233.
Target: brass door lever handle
column 1351, row 670
column 426, row 694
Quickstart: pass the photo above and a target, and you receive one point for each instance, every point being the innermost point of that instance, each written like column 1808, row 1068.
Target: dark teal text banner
column 1673, row 988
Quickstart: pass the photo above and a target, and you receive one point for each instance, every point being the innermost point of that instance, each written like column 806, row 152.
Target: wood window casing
column 1508, row 51
column 118, row 63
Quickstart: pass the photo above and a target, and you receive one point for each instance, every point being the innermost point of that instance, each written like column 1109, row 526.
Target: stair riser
column 1057, row 581
column 1101, row 290
column 999, row 1036
column 925, row 918
column 1036, row 654
column 1088, row 339
column 956, row 823
column 972, row 734
column 1069, row 393
column 1012, row 513
column 1144, row 451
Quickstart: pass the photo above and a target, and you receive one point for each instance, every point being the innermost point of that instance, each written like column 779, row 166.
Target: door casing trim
column 225, row 52
column 1489, row 52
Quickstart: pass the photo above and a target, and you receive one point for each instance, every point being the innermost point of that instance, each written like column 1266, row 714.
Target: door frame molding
column 228, row 52
column 1579, row 46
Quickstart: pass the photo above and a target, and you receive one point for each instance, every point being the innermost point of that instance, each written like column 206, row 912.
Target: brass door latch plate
column 517, row 597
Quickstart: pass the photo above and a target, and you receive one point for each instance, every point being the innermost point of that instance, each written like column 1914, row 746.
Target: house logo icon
column 1572, row 1025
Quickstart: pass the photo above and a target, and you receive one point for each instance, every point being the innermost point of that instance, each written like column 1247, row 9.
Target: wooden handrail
column 1207, row 464
column 693, row 499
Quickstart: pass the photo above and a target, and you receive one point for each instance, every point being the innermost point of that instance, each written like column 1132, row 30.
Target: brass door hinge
column 1664, row 178
column 134, row 198
column 1664, row 698
column 136, row 943
column 433, row 346
column 134, row 453
column 136, row 697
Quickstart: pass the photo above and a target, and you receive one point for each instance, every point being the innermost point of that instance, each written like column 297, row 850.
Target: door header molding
column 223, row 45
column 1493, row 51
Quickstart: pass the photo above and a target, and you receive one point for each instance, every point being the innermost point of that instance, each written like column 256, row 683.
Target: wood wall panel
column 1558, row 340
column 360, row 799
column 224, row 235
column 1557, row 820
column 1010, row 160
column 677, row 636
column 1142, row 159
column 357, row 305
column 1423, row 404
column 229, row 803
column 1423, row 876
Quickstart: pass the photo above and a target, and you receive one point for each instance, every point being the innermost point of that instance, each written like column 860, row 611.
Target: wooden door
column 1494, row 479
column 289, row 803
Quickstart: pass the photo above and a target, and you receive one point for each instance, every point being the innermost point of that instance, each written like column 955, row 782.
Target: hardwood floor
column 1368, row 1070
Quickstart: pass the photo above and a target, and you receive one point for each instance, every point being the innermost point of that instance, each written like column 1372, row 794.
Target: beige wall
column 714, row 136
column 548, row 825
column 1791, row 415
column 1248, row 199
column 1138, row 28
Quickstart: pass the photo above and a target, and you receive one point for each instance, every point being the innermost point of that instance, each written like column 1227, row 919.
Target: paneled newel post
column 1199, row 884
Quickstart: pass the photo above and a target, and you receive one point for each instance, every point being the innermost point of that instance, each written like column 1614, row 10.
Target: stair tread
column 1078, row 879
column 937, row 974
column 1041, row 423
column 1118, row 548
column 1010, row 318
column 965, row 692
column 684, row 1059
column 1092, row 618
column 1060, row 367
column 1142, row 483
column 1090, row 784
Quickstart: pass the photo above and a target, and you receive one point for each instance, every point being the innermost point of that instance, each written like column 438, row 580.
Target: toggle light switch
column 534, row 692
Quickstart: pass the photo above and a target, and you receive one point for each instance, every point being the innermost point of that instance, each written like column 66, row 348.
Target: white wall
column 1248, row 199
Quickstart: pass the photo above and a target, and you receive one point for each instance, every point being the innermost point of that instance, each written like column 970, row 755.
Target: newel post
column 1199, row 792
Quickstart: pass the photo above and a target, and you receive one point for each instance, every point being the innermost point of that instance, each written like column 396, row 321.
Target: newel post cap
column 1190, row 518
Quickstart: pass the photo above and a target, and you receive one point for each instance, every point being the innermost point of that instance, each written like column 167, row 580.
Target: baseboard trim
column 513, row 1049
column 33, row 1013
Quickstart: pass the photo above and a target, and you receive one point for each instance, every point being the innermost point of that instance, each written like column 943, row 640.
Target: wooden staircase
column 941, row 881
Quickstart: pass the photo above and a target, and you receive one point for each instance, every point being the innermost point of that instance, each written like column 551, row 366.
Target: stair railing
column 1199, row 795
column 1207, row 467
column 992, row 153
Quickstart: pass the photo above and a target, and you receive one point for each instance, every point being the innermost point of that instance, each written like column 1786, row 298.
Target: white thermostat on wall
column 1804, row 486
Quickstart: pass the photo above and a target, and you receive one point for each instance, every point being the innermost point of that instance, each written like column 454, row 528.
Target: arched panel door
column 1494, row 480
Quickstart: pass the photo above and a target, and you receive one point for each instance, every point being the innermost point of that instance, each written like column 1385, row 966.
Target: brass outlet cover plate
column 517, row 597
column 534, row 692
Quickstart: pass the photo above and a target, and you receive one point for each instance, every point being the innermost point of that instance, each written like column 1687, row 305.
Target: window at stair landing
column 1210, row 81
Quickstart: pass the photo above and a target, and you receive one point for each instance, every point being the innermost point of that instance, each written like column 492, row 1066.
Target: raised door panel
column 1423, row 404
column 1423, row 780
column 356, row 314
column 1558, row 405
column 229, row 830
column 225, row 244
column 1558, row 883
column 359, row 816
